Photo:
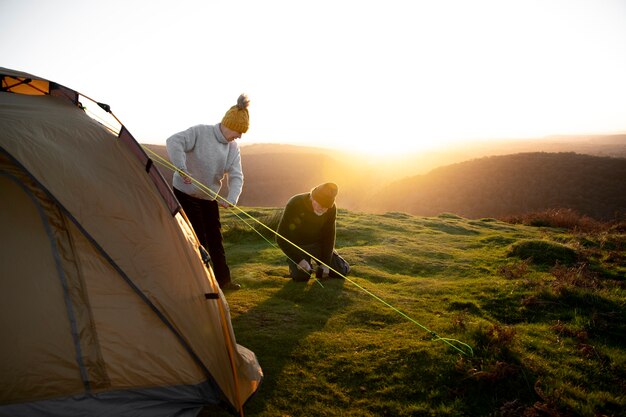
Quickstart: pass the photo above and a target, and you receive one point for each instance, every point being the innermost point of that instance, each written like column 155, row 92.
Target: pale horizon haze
column 385, row 77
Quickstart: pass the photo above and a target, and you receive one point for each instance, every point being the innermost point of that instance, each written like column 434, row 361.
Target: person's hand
column 304, row 265
column 224, row 203
column 186, row 178
column 325, row 271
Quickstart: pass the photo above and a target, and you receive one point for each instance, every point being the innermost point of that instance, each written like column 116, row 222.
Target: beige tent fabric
column 33, row 311
column 114, row 231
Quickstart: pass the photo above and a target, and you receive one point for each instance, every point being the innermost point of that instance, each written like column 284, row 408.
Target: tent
column 107, row 308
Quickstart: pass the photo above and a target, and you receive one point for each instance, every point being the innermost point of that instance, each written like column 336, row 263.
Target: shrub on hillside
column 579, row 276
column 514, row 271
column 618, row 227
column 449, row 216
column 543, row 252
column 562, row 218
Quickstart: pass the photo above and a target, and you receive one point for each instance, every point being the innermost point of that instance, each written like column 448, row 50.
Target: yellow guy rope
column 464, row 348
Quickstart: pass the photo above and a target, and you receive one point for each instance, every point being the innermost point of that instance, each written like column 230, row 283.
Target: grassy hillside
column 542, row 308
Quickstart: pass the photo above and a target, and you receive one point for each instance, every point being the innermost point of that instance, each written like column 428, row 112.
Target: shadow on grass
column 276, row 328
column 600, row 315
column 451, row 229
column 602, row 318
column 496, row 375
column 492, row 224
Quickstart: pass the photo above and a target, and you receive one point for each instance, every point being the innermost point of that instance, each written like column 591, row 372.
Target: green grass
column 543, row 309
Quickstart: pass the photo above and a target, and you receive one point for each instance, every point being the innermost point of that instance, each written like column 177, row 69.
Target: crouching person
column 308, row 223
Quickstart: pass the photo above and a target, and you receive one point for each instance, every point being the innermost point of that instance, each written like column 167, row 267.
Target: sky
column 384, row 77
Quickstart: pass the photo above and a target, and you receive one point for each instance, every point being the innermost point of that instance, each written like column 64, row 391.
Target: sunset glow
column 372, row 77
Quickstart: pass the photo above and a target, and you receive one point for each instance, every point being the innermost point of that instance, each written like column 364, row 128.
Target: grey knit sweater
column 204, row 153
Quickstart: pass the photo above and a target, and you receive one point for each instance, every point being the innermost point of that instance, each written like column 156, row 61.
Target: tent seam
column 62, row 278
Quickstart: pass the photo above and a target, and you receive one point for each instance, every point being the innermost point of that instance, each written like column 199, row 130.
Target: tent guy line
column 167, row 164
column 449, row 341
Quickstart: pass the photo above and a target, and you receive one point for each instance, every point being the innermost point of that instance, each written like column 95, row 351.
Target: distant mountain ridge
column 498, row 186
column 483, row 187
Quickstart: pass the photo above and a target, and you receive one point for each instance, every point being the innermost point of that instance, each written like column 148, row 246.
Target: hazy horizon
column 352, row 168
column 377, row 77
column 597, row 143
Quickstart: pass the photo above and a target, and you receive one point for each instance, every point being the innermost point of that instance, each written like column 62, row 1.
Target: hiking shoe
column 231, row 286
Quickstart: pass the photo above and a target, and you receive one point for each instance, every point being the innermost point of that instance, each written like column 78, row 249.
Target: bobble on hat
column 237, row 117
column 325, row 194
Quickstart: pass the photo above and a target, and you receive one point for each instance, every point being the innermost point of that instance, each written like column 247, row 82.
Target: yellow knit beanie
column 237, row 118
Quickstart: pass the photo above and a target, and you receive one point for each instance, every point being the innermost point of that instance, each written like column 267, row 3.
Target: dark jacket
column 300, row 225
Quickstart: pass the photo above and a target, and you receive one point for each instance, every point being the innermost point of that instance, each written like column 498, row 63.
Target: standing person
column 207, row 153
column 308, row 221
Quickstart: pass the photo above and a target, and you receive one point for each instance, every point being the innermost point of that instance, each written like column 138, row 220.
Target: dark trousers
column 336, row 262
column 204, row 216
